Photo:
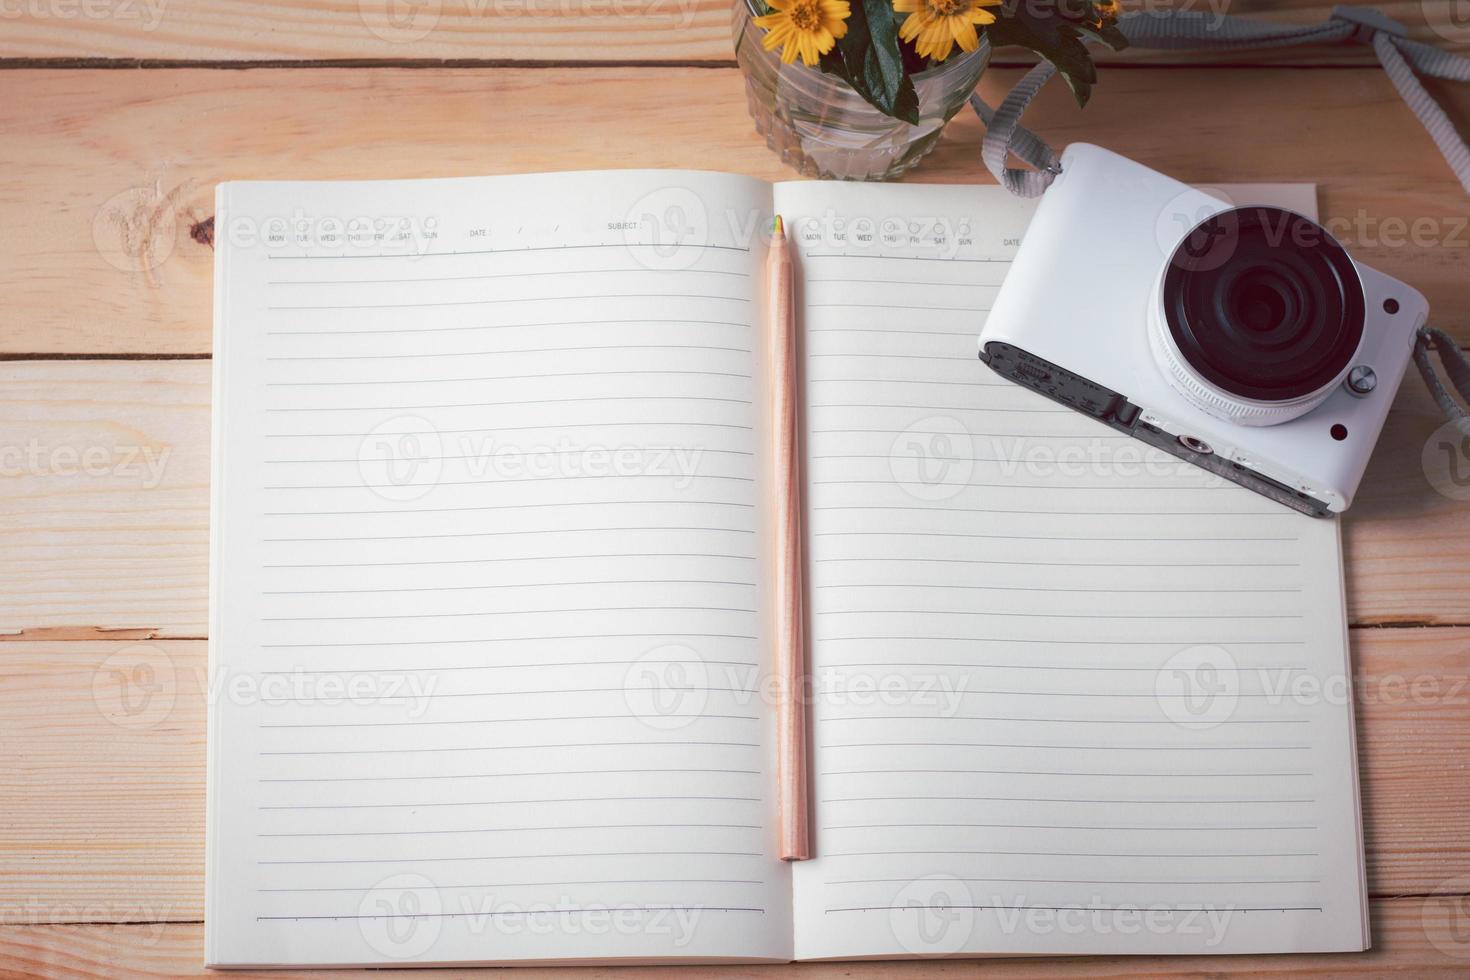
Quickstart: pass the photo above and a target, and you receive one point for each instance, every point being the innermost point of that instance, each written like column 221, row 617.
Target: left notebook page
column 485, row 629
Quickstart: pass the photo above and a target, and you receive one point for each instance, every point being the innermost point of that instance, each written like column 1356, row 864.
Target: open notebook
column 488, row 602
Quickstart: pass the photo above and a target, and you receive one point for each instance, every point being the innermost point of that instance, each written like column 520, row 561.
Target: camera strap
column 1456, row 365
column 1402, row 58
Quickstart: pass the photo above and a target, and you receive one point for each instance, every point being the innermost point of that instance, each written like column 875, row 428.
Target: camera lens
column 1263, row 305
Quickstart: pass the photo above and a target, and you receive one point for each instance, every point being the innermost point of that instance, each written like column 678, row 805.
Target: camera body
column 1244, row 340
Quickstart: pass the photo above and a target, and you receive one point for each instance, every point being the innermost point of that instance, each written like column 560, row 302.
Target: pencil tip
column 778, row 227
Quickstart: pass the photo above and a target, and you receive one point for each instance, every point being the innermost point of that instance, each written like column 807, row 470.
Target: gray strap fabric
column 1004, row 136
column 1400, row 59
column 1183, row 29
column 1404, row 60
column 1456, row 365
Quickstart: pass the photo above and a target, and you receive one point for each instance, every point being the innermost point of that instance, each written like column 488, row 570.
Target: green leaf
column 1057, row 42
column 873, row 62
column 1105, row 34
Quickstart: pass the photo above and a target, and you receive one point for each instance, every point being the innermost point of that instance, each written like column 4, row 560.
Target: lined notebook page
column 485, row 629
column 1074, row 696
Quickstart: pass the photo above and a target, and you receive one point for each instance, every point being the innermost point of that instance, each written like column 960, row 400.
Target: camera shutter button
column 1361, row 380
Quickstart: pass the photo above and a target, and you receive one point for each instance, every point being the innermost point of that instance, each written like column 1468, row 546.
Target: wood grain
column 104, row 483
column 111, row 174
column 1411, row 938
column 542, row 30
column 106, row 202
column 104, row 476
column 112, row 732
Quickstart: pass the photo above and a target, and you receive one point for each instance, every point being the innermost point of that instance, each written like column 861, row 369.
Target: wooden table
column 119, row 116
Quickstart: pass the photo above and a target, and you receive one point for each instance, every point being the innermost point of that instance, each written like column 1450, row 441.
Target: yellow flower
column 935, row 26
column 808, row 28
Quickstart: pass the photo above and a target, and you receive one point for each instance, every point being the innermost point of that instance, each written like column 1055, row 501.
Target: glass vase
column 821, row 127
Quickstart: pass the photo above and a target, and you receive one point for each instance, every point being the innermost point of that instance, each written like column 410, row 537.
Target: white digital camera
column 1242, row 339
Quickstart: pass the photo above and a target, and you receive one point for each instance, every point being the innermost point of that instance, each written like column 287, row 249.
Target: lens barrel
column 1263, row 305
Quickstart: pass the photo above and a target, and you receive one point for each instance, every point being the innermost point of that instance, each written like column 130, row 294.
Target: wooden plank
column 1412, row 690
column 112, row 173
column 104, row 473
column 1402, row 564
column 543, row 30
column 103, row 773
column 104, row 486
column 1411, row 937
column 103, row 781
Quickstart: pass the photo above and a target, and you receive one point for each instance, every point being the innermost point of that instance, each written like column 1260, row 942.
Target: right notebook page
column 1072, row 695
